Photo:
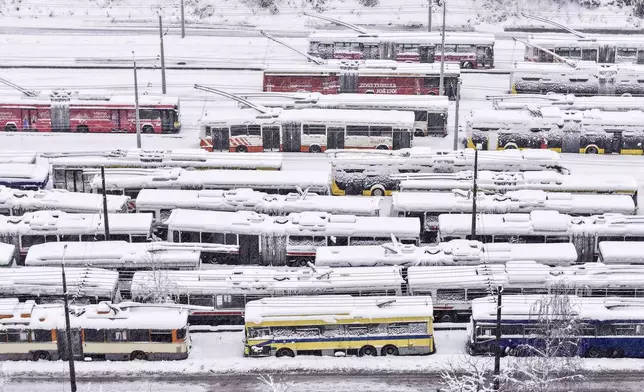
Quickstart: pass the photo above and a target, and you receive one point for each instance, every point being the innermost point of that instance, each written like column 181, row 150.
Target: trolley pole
column 136, row 105
column 163, row 89
column 476, row 171
column 105, row 217
column 68, row 332
column 497, row 353
column 429, row 16
column 458, row 104
column 183, row 21
column 441, row 88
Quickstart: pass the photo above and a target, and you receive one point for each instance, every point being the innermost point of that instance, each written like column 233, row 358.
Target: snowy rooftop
column 336, row 308
column 18, row 157
column 45, row 281
column 368, row 68
column 304, row 223
column 42, row 222
column 23, row 171
column 7, row 252
column 405, row 37
column 112, row 254
column 556, row 115
column 351, row 101
column 621, row 252
column 59, row 199
column 250, row 200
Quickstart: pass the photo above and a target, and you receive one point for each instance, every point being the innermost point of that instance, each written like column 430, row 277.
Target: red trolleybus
column 372, row 77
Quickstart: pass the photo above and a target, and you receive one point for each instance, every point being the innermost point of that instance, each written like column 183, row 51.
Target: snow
column 621, row 252
column 17, row 172
column 18, row 201
column 368, row 68
column 58, row 222
column 17, row 157
column 7, row 252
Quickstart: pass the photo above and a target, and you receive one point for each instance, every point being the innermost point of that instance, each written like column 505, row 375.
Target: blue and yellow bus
column 339, row 325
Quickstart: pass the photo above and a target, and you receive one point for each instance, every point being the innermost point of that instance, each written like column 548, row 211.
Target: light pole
column 136, row 105
column 68, row 332
column 441, row 88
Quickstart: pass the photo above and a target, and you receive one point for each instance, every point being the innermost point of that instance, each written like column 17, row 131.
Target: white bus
column 305, row 130
column 586, row 233
column 451, row 253
column 429, row 205
column 104, row 331
column 430, row 112
column 617, row 49
column 17, row 202
column 26, row 176
column 74, row 170
column 621, row 252
column 131, row 182
column 264, row 240
column 39, row 227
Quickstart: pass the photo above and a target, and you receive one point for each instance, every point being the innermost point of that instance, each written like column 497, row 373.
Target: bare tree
column 274, row 386
column 468, row 374
column 159, row 288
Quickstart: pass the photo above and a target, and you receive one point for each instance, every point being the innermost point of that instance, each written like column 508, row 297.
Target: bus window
column 212, row 238
column 202, row 300
column 575, row 53
column 376, row 131
column 421, row 115
column 465, row 49
column 563, row 52
column 139, row 238
column 70, row 238
column 357, row 130
column 432, row 82
column 254, row 130
column 149, row 114
column 208, row 131
column 476, row 293
column 450, row 295
column 92, row 237
column 313, row 129
column 610, row 238
column 337, row 241
column 627, row 53
column 140, row 335
column 640, row 56
column 557, row 239
column 117, row 336
column 31, row 240
column 94, row 335
column 230, row 302
column 231, row 239
column 190, row 236
column 589, row 54
column 159, row 336
column 41, row 335
column 120, row 237
column 18, row 335
column 238, row 130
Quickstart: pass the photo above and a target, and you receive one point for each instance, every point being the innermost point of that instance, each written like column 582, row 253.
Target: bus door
column 402, row 139
column 349, row 80
column 606, row 82
column 77, row 344
column 167, row 122
column 116, row 120
column 426, row 54
column 74, row 180
column 291, row 136
column 220, row 139
column 335, row 138
column 616, row 143
column 271, row 138
column 606, row 54
column 483, row 56
column 571, row 140
column 28, row 116
column 249, row 249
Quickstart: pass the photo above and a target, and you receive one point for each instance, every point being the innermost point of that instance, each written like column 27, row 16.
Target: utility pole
column 497, row 354
column 183, row 21
column 136, row 105
column 429, row 16
column 163, row 89
column 441, row 88
column 476, row 172
column 458, row 104
column 105, row 217
column 68, row 332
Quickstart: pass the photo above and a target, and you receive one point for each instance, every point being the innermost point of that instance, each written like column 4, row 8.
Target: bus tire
column 467, row 64
column 241, row 149
column 42, row 356
column 616, row 353
column 10, row 128
column 591, row 150
column 148, row 129
column 368, row 351
column 593, row 352
column 510, row 146
column 377, row 190
column 82, row 129
column 315, row 149
column 382, row 147
column 285, row 352
column 389, row 349
column 138, row 355
column 447, row 318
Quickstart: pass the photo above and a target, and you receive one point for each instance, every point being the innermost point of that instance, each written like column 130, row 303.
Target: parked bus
column 451, row 253
column 621, row 252
column 39, row 227
column 427, row 206
column 430, row 113
column 74, row 170
column 586, row 233
column 608, row 327
column 83, row 114
column 45, row 284
column 379, row 173
column 339, row 325
column 371, row 77
column 16, row 202
column 305, row 130
column 104, row 331
column 26, row 176
column 259, row 239
column 605, row 49
column 470, row 50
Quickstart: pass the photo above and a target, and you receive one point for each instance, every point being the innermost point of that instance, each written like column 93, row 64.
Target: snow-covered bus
column 17, row 202
column 452, row 253
column 430, row 112
column 26, row 176
column 586, row 233
column 74, row 170
column 621, row 252
column 429, row 205
column 607, row 327
column 606, row 49
column 39, row 227
column 258, row 239
column 379, row 173
column 104, row 331
column 567, row 102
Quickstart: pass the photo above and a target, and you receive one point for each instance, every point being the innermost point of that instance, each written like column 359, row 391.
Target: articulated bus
column 306, row 130
column 379, row 173
column 586, row 233
column 105, row 331
column 339, row 325
column 470, row 50
column 617, row 49
column 430, row 113
column 74, row 170
column 607, row 327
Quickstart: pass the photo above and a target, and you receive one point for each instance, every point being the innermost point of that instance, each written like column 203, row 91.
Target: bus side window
column 139, row 238
column 230, row 302
column 120, row 237
column 337, row 241
column 254, row 130
column 238, row 130
column 212, row 238
column 208, row 131
column 432, row 82
column 161, row 336
column 70, row 238
column 190, row 236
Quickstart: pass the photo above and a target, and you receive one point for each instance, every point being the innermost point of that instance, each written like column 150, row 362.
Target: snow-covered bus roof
column 556, row 115
column 455, row 252
column 45, row 281
column 615, row 252
column 17, row 172
column 547, row 223
column 105, row 315
column 250, row 200
column 368, row 68
column 304, row 223
column 59, row 199
column 459, row 201
column 185, row 158
column 316, row 181
column 520, row 307
column 58, row 222
column 535, row 180
column 337, row 308
column 112, row 254
column 18, row 157
column 570, row 41
column 570, row 102
column 273, row 280
column 397, row 119
column 451, row 38
column 7, row 254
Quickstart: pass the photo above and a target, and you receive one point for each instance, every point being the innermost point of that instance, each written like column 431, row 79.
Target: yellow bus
column 339, row 325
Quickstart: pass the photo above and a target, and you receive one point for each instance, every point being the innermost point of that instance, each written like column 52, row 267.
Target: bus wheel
column 593, row 352
column 592, row 150
column 510, row 146
column 616, row 353
column 377, row 191
column 41, row 356
column 285, row 352
column 10, row 128
column 148, row 129
column 382, row 147
column 389, row 350
column 467, row 64
column 315, row 149
column 241, row 149
column 447, row 318
column 367, row 351
column 138, row 355
column 82, row 129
